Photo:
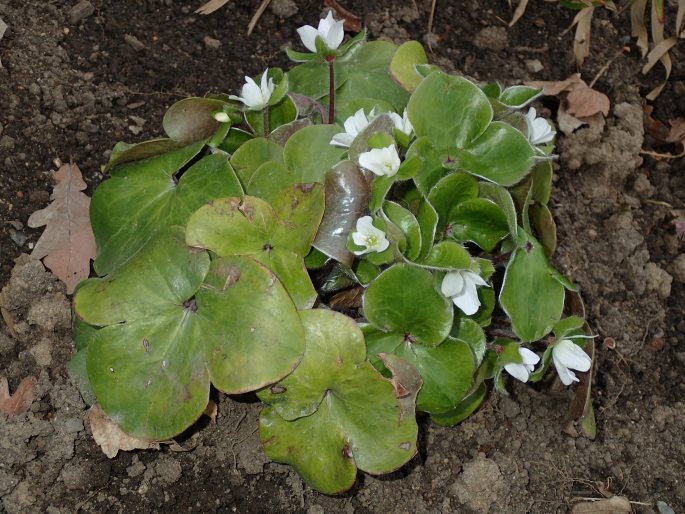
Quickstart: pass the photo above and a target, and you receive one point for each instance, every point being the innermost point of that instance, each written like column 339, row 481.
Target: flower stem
column 265, row 120
column 331, row 89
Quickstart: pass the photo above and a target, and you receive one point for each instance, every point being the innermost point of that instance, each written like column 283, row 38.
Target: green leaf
column 431, row 169
column 335, row 413
column 143, row 197
column 281, row 134
column 451, row 111
column 229, row 226
column 446, row 370
column 448, row 255
column 192, row 119
column 492, row 89
column 428, row 222
column 369, row 76
column 344, row 111
column 300, row 208
column 166, row 334
column 467, row 407
column 347, row 198
column 407, row 223
column 381, row 124
column 270, row 179
column 380, row 187
column 542, row 181
column 403, row 64
column 78, row 373
column 516, row 97
column 311, row 79
column 470, row 332
column 309, row 154
column 124, row 152
column 252, row 154
column 449, row 192
column 480, row 221
column 503, row 198
column 531, row 295
column 234, row 140
column 501, row 155
column 419, row 312
column 567, row 326
column 545, row 228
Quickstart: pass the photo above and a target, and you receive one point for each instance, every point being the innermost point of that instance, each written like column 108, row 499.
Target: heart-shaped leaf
column 431, row 169
column 448, row 255
column 312, row 79
column 252, row 154
column 467, row 407
column 143, row 196
column 335, row 413
column 403, row 300
column 231, row 226
column 446, row 369
column 449, row 192
column 167, row 334
column 451, row 111
column 531, row 295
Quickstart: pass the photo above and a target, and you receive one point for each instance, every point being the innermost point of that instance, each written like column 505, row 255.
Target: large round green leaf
column 143, row 196
column 191, row 119
column 501, row 155
column 403, row 300
column 335, row 413
column 449, row 192
column 446, row 370
column 172, row 322
column 252, row 154
column 531, row 294
column 312, row 79
column 449, row 110
column 231, row 226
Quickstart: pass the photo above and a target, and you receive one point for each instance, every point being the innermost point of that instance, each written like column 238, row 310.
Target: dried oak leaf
column 68, row 243
column 111, row 438
column 22, row 398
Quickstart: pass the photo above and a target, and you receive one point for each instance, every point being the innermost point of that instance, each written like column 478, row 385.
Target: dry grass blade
column 581, row 41
column 211, row 6
column 659, row 52
column 520, row 10
column 430, row 23
column 257, row 14
column 638, row 27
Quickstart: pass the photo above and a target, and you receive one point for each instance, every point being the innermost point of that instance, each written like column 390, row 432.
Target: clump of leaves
column 364, row 171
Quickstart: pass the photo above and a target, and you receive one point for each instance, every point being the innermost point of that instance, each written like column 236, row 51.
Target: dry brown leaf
column 613, row 505
column 520, row 9
column 22, row 398
column 581, row 41
column 582, row 100
column 638, row 27
column 67, row 243
column 111, row 438
column 211, row 6
column 353, row 23
column 211, row 410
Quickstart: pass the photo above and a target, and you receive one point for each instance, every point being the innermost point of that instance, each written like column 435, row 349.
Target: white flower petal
column 359, row 238
column 364, row 224
column 566, row 376
column 326, row 23
column 571, row 355
column 222, row 117
column 308, row 35
column 518, row 371
column 342, row 139
column 381, row 161
column 475, row 278
column 468, row 301
column 452, row 284
column 528, row 357
column 335, row 35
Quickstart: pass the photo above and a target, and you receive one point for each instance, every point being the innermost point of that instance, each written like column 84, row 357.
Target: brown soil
column 71, row 90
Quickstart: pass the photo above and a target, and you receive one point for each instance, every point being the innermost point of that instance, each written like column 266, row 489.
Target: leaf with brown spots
column 22, row 398
column 67, row 244
column 111, row 438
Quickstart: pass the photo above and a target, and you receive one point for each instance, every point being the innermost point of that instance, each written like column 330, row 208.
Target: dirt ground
column 70, row 88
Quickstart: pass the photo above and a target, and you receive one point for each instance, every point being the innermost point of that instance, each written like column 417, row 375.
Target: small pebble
column 81, row 11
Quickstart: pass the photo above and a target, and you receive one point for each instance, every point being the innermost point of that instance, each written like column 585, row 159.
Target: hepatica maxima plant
column 363, row 180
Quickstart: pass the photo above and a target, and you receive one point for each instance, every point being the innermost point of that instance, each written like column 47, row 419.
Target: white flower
column 330, row 31
column 369, row 236
column 461, row 286
column 528, row 361
column 539, row 130
column 381, row 161
column 402, row 123
column 353, row 126
column 254, row 96
column 567, row 356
